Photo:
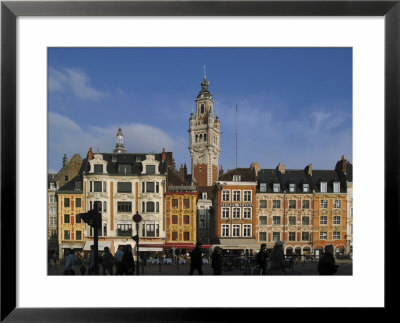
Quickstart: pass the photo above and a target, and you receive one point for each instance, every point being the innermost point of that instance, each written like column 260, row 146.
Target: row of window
column 236, row 195
column 293, row 204
column 67, row 218
column 175, row 203
column 236, row 213
column 236, row 230
column 175, row 219
column 292, row 236
column 124, row 187
column 149, row 229
column 67, row 202
column 174, row 236
column 276, row 236
column 276, row 187
column 67, row 235
column 201, row 137
column 125, row 207
column 292, row 220
column 125, row 169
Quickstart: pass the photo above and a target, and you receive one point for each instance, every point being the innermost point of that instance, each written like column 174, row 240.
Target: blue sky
column 294, row 104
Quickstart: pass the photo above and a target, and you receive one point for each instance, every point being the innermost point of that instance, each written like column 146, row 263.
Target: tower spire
column 119, row 147
column 205, row 72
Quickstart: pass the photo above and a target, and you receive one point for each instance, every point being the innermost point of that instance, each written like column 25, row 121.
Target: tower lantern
column 119, row 147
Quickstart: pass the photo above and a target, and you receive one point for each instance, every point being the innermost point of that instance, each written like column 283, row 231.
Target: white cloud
column 74, row 81
column 67, row 137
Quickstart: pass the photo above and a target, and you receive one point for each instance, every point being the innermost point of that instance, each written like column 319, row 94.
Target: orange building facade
column 330, row 221
column 285, row 217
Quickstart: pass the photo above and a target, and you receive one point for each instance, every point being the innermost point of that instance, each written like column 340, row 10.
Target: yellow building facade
column 71, row 228
column 181, row 217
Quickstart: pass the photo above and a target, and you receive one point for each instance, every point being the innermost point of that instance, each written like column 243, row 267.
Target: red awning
column 173, row 245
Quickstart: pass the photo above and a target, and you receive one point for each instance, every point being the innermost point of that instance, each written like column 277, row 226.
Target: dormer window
column 78, row 185
column 98, row 168
column 263, row 187
column 124, row 169
column 204, row 196
column 306, row 188
column 236, row 178
column 292, row 188
column 138, row 159
column 324, row 187
column 277, row 187
column 150, row 169
column 336, row 187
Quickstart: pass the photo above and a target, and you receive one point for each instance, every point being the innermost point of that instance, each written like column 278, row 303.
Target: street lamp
column 93, row 219
column 137, row 218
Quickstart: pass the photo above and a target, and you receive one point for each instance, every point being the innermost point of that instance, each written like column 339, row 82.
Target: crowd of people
column 122, row 263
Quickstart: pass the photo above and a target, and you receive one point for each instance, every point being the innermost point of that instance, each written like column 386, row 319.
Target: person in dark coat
column 326, row 264
column 277, row 259
column 196, row 260
column 127, row 263
column 216, row 261
column 107, row 262
column 262, row 258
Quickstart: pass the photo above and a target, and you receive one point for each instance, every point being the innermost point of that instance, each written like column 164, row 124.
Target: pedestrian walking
column 216, row 261
column 91, row 263
column 127, row 263
column 118, row 259
column 196, row 260
column 262, row 258
column 326, row 264
column 277, row 259
column 107, row 262
column 69, row 263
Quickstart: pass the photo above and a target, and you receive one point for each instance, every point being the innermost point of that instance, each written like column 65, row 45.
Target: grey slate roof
column 246, row 175
column 300, row 177
column 133, row 159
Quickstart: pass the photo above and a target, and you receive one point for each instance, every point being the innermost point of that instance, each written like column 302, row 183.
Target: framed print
column 29, row 29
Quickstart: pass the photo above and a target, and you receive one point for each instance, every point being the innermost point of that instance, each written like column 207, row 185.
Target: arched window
column 202, row 108
column 201, row 137
column 197, row 138
column 205, row 137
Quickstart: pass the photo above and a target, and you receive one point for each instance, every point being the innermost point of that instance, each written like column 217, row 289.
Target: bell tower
column 204, row 138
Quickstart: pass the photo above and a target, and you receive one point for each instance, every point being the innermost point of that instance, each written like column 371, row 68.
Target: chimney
column 256, row 167
column 308, row 169
column 65, row 160
column 163, row 155
column 221, row 171
column 182, row 172
column 344, row 161
column 281, row 168
column 90, row 154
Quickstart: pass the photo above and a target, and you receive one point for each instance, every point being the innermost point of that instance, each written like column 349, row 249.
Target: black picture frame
column 10, row 10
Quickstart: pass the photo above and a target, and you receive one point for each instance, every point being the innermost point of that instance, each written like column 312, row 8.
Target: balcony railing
column 124, row 233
